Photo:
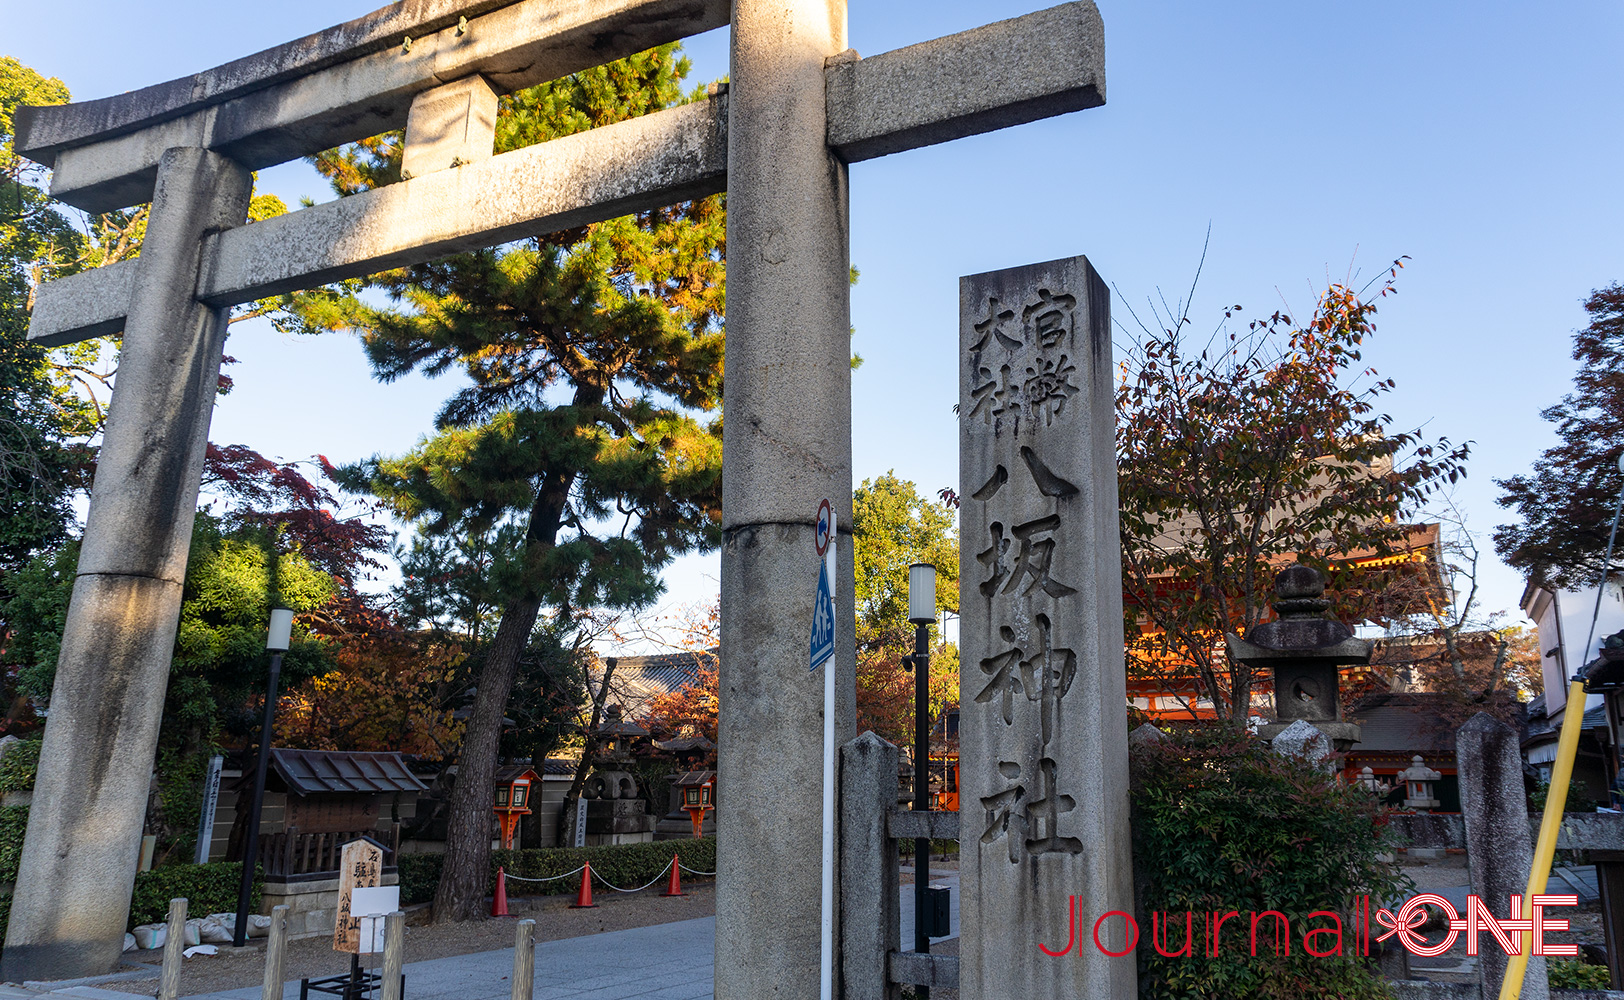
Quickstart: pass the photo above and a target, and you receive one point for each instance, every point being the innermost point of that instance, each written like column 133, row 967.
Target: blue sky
column 1317, row 140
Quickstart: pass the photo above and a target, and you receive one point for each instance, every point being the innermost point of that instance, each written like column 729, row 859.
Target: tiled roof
column 315, row 772
column 664, row 671
column 1543, row 728
column 1402, row 723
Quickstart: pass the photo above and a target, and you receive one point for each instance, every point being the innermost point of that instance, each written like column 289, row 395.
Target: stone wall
column 312, row 906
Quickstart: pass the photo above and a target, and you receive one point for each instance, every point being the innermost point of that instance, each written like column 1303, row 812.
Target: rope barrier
column 639, row 888
column 600, row 878
column 549, row 878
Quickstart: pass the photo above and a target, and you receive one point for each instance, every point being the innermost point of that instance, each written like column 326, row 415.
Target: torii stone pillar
column 802, row 107
column 787, row 446
column 90, row 797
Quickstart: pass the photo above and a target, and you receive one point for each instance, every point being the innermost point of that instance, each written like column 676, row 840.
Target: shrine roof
column 318, row 772
column 514, row 772
column 685, row 744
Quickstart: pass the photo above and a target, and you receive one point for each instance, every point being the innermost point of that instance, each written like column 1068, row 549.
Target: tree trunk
column 467, row 868
column 461, row 893
column 589, row 746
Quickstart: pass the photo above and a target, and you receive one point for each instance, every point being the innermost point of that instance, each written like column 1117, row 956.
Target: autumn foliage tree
column 1243, row 450
column 690, row 710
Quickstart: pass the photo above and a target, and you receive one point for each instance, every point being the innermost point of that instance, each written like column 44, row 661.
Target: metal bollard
column 174, row 944
column 276, row 954
column 394, row 955
column 524, row 959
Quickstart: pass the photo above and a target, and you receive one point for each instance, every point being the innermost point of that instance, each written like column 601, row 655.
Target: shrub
column 210, row 888
column 1575, row 975
column 419, row 877
column 1221, row 823
column 18, row 766
column 13, row 823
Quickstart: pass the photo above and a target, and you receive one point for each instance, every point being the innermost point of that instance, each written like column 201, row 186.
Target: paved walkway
column 661, row 962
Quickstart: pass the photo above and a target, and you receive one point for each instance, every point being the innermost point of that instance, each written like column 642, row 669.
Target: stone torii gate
column 801, row 106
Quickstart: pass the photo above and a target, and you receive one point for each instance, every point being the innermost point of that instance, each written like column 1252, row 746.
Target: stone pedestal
column 618, row 821
column 1043, row 732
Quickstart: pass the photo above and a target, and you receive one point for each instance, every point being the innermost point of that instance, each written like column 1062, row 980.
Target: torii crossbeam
column 800, row 107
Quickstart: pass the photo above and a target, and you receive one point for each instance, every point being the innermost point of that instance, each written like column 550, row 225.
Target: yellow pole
column 1555, row 799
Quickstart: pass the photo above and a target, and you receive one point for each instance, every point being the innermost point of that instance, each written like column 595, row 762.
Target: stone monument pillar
column 1043, row 723
column 84, row 827
column 786, row 447
column 1499, row 844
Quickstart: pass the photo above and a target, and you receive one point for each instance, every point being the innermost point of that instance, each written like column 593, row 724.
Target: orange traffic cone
column 675, row 886
column 499, row 901
column 583, row 899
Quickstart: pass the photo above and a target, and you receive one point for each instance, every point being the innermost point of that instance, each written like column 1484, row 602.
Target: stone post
column 276, row 954
column 90, row 798
column 1043, row 724
column 524, row 959
column 174, row 945
column 394, row 956
column 1499, row 851
column 786, row 446
column 869, row 902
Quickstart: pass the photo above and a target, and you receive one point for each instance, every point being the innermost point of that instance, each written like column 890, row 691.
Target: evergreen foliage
column 892, row 528
column 1566, row 503
column 41, row 419
column 591, row 357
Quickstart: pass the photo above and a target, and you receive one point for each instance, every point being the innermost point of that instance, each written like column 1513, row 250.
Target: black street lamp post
column 922, row 612
column 277, row 643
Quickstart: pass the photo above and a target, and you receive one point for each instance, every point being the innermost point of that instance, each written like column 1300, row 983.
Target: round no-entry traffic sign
column 826, row 527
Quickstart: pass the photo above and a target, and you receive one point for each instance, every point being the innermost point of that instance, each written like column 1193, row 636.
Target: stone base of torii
column 799, row 108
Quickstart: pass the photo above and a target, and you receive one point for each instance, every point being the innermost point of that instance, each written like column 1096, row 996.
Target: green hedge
column 625, row 865
column 207, row 889
column 419, row 875
column 18, row 766
column 13, row 824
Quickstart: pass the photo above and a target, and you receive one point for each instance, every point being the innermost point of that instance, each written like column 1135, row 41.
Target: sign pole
column 823, row 627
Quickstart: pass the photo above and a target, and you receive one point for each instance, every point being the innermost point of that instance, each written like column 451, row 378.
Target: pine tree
column 1566, row 504
column 593, row 355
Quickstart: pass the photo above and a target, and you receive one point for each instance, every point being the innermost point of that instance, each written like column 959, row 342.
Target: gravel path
column 313, row 957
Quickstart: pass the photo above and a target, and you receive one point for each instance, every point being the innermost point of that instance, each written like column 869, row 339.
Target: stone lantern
column 1418, row 779
column 1303, row 649
column 1369, row 782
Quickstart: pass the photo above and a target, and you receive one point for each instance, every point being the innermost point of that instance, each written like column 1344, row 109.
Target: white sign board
column 370, row 905
column 580, row 822
column 211, row 802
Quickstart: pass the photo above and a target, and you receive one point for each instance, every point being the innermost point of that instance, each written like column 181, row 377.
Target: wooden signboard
column 360, row 866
